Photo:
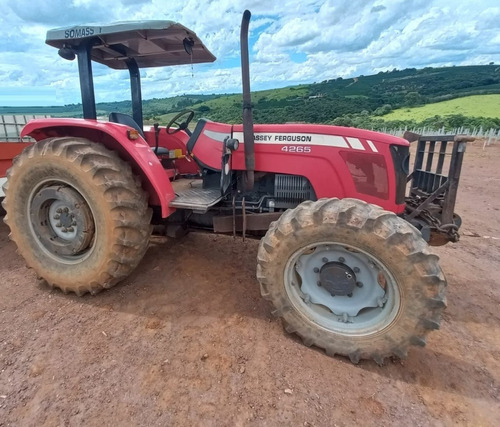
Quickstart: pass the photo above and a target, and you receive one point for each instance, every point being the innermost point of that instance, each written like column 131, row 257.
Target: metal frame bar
column 428, row 201
column 421, row 184
column 86, row 80
column 453, row 179
column 135, row 90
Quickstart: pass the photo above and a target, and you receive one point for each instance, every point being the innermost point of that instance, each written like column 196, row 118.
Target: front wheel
column 351, row 278
column 78, row 215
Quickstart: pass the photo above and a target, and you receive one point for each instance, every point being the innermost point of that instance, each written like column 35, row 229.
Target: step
column 190, row 195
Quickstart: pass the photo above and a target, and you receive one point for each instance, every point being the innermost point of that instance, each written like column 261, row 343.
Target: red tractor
column 344, row 256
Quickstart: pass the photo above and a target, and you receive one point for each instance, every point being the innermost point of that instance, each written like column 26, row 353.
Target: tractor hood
column 149, row 43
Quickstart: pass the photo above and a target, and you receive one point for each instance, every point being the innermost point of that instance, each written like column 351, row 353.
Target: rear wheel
column 351, row 278
column 78, row 215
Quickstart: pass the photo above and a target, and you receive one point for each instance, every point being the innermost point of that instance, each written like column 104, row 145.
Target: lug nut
column 59, row 210
column 349, row 295
column 64, row 229
column 58, row 225
column 71, row 229
column 57, row 216
column 66, row 210
column 356, row 269
column 359, row 284
column 324, row 259
column 341, row 259
column 316, row 269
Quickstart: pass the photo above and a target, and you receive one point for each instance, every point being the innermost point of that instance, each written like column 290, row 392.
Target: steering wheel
column 180, row 125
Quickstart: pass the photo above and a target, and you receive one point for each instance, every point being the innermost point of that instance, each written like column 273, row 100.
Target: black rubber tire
column 392, row 241
column 114, row 196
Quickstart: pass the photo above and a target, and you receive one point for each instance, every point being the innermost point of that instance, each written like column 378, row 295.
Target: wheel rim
column 61, row 221
column 342, row 288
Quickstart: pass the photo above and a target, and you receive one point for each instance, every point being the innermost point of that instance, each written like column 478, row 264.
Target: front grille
column 290, row 190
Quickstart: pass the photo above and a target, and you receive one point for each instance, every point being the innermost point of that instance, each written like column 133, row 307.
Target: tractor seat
column 198, row 130
column 196, row 134
column 125, row 119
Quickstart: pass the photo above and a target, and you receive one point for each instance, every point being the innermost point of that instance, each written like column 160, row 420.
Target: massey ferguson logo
column 78, row 32
column 282, row 138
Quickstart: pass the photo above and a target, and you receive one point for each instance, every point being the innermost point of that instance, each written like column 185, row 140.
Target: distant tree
column 343, row 121
column 385, row 109
column 203, row 109
column 413, row 98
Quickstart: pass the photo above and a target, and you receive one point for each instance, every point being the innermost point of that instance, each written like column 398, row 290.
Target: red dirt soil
column 187, row 340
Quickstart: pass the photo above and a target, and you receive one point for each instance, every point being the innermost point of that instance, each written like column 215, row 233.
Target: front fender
column 114, row 137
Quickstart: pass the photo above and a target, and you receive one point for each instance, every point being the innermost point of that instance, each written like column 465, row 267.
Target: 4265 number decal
column 296, row 148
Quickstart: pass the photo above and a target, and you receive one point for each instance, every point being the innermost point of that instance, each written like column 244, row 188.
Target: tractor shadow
column 425, row 371
column 428, row 369
column 198, row 275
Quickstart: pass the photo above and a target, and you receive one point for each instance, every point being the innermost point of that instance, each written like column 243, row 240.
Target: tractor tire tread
column 127, row 209
column 393, row 233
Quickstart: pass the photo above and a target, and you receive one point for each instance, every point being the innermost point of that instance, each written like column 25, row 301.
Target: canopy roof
column 150, row 43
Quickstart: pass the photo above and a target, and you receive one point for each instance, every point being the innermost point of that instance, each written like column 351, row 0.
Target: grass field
column 471, row 106
column 270, row 95
column 234, row 102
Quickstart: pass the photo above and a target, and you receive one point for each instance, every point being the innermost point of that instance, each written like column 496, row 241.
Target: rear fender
column 114, row 136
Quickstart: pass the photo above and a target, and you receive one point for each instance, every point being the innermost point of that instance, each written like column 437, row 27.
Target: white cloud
column 292, row 42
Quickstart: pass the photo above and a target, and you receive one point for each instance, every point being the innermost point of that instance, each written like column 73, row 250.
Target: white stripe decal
column 2, row 182
column 295, row 138
column 372, row 146
column 218, row 136
column 355, row 143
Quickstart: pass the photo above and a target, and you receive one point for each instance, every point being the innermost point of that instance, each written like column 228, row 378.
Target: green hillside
column 375, row 95
column 471, row 94
column 471, row 106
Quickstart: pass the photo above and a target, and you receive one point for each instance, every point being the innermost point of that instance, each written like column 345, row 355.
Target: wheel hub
column 344, row 280
column 61, row 220
column 337, row 278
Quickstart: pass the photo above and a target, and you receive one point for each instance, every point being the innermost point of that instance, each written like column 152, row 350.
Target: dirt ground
column 187, row 340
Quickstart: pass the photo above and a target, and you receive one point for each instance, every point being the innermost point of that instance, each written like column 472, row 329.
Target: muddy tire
column 351, row 278
column 78, row 215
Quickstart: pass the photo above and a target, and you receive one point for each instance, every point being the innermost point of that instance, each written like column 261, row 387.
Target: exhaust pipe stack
column 248, row 136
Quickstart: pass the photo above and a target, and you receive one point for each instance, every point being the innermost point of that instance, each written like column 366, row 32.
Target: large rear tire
column 351, row 278
column 78, row 215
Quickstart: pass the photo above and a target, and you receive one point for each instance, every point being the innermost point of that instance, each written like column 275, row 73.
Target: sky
column 291, row 42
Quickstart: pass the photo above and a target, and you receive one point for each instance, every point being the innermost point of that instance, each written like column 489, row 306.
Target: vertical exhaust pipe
column 248, row 136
